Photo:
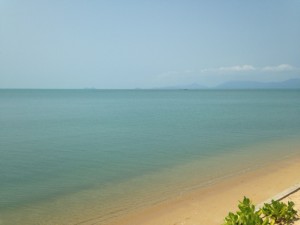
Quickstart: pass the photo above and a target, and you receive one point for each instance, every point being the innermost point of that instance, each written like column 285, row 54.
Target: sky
column 147, row 43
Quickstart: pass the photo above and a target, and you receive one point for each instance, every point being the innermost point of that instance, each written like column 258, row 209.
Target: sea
column 92, row 156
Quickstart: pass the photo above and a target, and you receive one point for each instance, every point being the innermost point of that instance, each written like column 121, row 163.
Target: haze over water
column 105, row 152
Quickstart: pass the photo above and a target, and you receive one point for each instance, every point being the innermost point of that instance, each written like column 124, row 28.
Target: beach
column 211, row 204
column 143, row 157
column 146, row 112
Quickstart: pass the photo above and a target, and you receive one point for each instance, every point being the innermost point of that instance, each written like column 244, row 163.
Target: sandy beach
column 211, row 204
column 146, row 112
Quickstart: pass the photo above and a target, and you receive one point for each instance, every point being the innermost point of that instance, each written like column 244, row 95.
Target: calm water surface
column 111, row 151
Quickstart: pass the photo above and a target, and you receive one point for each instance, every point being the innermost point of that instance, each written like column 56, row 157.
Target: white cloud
column 250, row 68
column 226, row 71
column 279, row 68
column 237, row 68
column 230, row 69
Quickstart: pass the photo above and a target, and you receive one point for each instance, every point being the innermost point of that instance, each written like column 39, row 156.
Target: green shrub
column 279, row 212
column 246, row 215
column 274, row 213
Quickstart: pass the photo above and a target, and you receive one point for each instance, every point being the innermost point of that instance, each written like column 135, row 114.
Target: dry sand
column 211, row 204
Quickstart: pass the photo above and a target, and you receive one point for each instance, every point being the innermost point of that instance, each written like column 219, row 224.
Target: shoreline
column 209, row 205
column 205, row 203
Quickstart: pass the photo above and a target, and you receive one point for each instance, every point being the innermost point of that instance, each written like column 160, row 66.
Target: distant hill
column 193, row 86
column 287, row 84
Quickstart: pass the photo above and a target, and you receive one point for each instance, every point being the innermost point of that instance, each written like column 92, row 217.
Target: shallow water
column 104, row 153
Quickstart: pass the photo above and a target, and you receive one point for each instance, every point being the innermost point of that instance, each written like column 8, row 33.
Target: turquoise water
column 59, row 147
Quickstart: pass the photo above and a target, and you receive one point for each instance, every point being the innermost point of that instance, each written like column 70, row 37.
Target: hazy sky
column 129, row 44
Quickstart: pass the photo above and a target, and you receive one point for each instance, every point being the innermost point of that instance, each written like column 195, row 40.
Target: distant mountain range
column 287, row 84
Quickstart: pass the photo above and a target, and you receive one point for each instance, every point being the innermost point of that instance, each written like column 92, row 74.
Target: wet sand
column 209, row 205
